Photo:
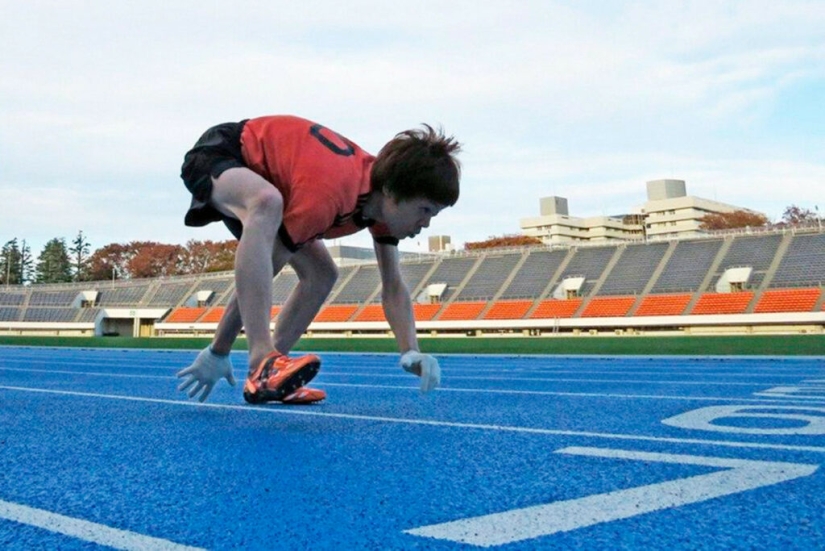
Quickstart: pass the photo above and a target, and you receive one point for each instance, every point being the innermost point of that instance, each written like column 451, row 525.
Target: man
column 281, row 184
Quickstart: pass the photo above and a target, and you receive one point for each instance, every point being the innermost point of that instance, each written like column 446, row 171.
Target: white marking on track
column 87, row 531
column 290, row 410
column 564, row 516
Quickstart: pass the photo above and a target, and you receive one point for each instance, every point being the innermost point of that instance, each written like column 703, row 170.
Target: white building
column 669, row 212
column 555, row 225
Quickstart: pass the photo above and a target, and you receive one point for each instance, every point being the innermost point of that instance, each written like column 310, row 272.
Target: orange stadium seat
column 556, row 308
column 723, row 303
column 336, row 312
column 462, row 311
column 663, row 305
column 371, row 312
column 788, row 300
column 425, row 312
column 185, row 315
column 213, row 315
column 608, row 307
column 508, row 310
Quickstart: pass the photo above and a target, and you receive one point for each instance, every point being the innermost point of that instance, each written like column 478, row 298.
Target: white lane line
column 85, row 373
column 564, row 516
column 778, row 400
column 327, row 373
column 382, row 369
column 87, row 531
column 290, row 410
column 767, row 399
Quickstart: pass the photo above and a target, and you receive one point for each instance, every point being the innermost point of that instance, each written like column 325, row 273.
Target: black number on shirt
column 345, row 151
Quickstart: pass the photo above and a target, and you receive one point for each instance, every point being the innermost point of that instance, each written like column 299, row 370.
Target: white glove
column 207, row 369
column 423, row 365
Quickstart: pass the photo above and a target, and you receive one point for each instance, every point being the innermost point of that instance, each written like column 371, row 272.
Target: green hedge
column 739, row 345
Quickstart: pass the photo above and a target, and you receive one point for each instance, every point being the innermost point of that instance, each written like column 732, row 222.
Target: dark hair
column 419, row 163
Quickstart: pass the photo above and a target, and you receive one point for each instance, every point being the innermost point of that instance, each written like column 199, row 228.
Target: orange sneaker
column 304, row 395
column 278, row 376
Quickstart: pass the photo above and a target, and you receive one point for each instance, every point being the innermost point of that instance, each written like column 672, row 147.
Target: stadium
column 746, row 282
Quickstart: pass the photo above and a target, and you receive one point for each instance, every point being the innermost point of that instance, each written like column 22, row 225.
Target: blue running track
column 98, row 449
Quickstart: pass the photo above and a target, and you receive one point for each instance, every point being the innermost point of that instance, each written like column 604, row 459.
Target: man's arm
column 395, row 298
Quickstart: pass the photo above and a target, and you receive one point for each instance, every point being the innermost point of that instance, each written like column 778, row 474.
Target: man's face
column 408, row 218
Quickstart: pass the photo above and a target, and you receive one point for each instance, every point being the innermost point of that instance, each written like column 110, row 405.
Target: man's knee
column 266, row 202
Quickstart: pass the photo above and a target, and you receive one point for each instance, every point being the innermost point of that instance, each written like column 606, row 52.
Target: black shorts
column 216, row 151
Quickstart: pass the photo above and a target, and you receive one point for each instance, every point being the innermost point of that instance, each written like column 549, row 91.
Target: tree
column 109, row 262
column 53, row 265
column 208, row 256
column 731, row 220
column 504, row 241
column 79, row 252
column 150, row 259
column 26, row 262
column 10, row 258
column 798, row 216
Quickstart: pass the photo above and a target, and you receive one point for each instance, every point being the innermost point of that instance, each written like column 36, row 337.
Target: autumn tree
column 732, row 220
column 516, row 240
column 798, row 216
column 150, row 259
column 53, row 264
column 208, row 256
column 109, row 262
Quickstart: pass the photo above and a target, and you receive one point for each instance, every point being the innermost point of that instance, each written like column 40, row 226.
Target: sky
column 100, row 100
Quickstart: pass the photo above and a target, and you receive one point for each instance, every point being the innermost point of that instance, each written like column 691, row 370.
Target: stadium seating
column 425, row 312
column 534, row 275
column 371, row 312
column 336, row 312
column 50, row 314
column 452, row 271
column 88, row 315
column 633, row 270
column 687, row 266
column 9, row 313
column 213, row 315
column 282, row 286
column 359, row 287
column 52, row 298
column 122, row 295
column 723, row 303
column 12, row 299
column 788, row 300
column 788, row 273
column 185, row 315
column 550, row 309
column 488, row 277
column 171, row 294
column 462, row 311
column 754, row 251
column 803, row 263
column 590, row 264
column 663, row 305
column 601, row 307
column 508, row 310
column 412, row 273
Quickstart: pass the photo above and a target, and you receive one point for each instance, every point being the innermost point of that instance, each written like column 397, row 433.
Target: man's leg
column 243, row 194
column 316, row 276
column 229, row 327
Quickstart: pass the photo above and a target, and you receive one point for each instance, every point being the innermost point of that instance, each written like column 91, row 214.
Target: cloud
column 98, row 101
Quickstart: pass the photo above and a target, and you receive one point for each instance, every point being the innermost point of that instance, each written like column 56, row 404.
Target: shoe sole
column 292, row 383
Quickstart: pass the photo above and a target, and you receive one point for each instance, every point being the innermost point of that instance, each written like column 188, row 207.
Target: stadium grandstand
column 750, row 282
